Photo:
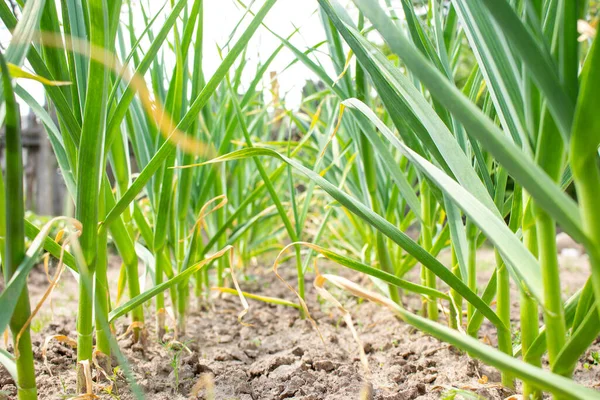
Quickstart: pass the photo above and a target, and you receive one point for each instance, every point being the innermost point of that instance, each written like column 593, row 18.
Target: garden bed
column 280, row 355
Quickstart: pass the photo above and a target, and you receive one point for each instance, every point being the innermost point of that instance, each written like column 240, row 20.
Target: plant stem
column 385, row 262
column 85, row 328
column 222, row 263
column 206, row 280
column 529, row 314
column 503, row 278
column 426, row 242
column 183, row 287
column 89, row 173
column 160, row 297
column 553, row 307
column 529, row 332
column 26, row 388
column 161, row 249
column 300, row 273
column 456, row 314
column 200, row 274
column 584, row 160
column 549, row 156
column 370, row 169
column 472, row 270
column 15, row 240
column 126, row 248
column 102, row 295
column 587, row 181
column 503, row 311
column 133, row 283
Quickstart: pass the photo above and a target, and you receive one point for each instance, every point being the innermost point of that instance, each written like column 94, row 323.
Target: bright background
column 220, row 18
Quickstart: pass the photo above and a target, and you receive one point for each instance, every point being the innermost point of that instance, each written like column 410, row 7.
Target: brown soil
column 280, row 356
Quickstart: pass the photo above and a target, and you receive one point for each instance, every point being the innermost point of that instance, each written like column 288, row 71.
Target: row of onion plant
column 464, row 122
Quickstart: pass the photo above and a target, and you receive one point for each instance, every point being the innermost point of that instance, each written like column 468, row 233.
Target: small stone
column 394, row 396
column 247, row 345
column 222, row 355
column 492, row 374
column 472, row 367
column 285, row 372
column 191, row 359
column 185, row 373
column 138, row 348
column 319, row 387
column 239, row 355
column 409, row 394
column 244, row 387
column 268, row 364
column 162, row 369
column 10, row 390
column 386, row 346
column 324, row 365
column 409, row 369
column 202, row 368
column 247, row 333
column 221, row 330
column 225, row 339
column 294, row 385
column 397, row 374
column 298, row 351
column 251, row 353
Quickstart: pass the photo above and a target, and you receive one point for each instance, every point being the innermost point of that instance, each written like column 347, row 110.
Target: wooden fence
column 45, row 191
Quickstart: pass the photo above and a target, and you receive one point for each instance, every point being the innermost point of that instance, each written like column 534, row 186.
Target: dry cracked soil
column 277, row 355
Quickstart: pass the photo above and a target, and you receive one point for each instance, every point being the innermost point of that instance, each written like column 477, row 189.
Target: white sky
column 220, row 17
column 282, row 18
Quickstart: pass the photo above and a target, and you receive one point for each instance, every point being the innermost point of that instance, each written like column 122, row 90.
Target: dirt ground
column 281, row 356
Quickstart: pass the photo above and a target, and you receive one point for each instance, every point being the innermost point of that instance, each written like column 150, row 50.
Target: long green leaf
column 511, row 248
column 173, row 282
column 207, row 91
column 10, row 294
column 539, row 62
column 547, row 194
column 558, row 385
column 377, row 222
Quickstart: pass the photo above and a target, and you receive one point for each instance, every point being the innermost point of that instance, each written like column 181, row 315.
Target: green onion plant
column 438, row 127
